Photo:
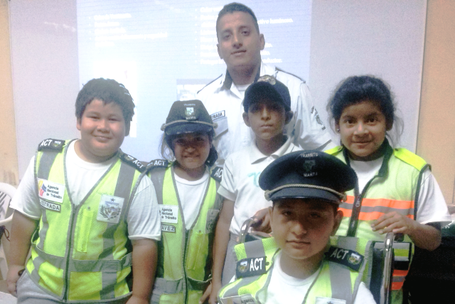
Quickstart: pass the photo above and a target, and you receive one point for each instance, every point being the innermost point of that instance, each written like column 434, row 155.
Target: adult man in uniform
column 239, row 45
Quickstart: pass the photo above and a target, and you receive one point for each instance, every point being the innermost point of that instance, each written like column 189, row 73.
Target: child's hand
column 394, row 222
column 205, row 297
column 14, row 273
column 262, row 221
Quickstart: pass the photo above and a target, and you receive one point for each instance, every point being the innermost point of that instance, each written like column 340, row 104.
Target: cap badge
column 189, row 113
column 267, row 78
column 307, row 168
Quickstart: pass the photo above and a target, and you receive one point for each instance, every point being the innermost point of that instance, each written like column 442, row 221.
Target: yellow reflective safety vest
column 184, row 256
column 339, row 276
column 79, row 253
column 395, row 187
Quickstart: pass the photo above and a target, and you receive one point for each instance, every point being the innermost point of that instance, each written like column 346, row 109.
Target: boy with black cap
column 189, row 204
column 267, row 107
column 296, row 266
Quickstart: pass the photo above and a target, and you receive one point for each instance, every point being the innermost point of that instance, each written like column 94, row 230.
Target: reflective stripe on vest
column 333, row 280
column 184, row 254
column 75, row 256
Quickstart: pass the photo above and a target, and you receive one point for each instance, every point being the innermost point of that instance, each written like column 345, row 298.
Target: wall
column 382, row 38
column 8, row 152
column 436, row 133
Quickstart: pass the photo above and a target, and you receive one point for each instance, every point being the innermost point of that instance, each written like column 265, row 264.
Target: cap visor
column 188, row 128
column 305, row 193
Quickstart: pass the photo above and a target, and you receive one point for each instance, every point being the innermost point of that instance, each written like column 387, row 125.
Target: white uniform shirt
column 240, row 182
column 432, row 206
column 143, row 215
column 284, row 288
column 225, row 103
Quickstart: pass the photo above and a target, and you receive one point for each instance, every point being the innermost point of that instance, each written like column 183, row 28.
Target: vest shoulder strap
column 132, row 161
column 157, row 163
column 334, row 150
column 52, row 145
column 216, row 173
column 410, row 158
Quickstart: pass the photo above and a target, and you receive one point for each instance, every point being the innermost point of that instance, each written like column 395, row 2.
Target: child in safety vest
column 189, row 204
column 297, row 265
column 397, row 192
column 84, row 209
column 267, row 110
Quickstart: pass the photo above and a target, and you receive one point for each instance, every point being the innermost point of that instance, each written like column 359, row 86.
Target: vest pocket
column 83, row 229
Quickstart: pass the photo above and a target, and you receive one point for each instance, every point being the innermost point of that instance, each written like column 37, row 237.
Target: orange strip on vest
column 398, row 278
column 380, row 202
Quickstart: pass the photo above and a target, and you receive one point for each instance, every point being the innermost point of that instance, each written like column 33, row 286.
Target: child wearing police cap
column 297, row 265
column 186, row 186
column 267, row 110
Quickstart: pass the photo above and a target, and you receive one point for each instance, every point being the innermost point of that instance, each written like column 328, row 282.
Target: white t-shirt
column 191, row 195
column 240, row 182
column 284, row 288
column 224, row 101
column 143, row 215
column 432, row 206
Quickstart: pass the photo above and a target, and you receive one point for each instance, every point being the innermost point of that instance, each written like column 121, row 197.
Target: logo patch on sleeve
column 250, row 267
column 346, row 257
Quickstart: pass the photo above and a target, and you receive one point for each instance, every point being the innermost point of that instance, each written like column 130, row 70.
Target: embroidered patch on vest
column 132, row 161
column 50, row 206
column 110, row 209
column 321, row 300
column 250, row 267
column 168, row 228
column 51, row 144
column 169, row 214
column 50, row 191
column 346, row 257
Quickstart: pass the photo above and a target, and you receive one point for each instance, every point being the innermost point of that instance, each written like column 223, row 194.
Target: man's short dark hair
column 236, row 7
column 107, row 90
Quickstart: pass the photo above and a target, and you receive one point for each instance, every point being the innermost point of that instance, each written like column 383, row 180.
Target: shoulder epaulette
column 210, row 83
column 51, row 144
column 132, row 161
column 216, row 173
column 157, row 163
column 349, row 258
column 280, row 70
column 410, row 158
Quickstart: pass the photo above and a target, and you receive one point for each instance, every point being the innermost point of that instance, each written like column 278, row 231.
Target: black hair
column 236, row 7
column 356, row 89
column 107, row 90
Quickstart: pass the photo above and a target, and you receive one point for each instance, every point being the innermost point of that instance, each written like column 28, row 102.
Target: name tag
column 169, row 214
column 251, row 267
column 50, row 206
column 346, row 257
column 168, row 228
column 50, row 191
column 110, row 209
